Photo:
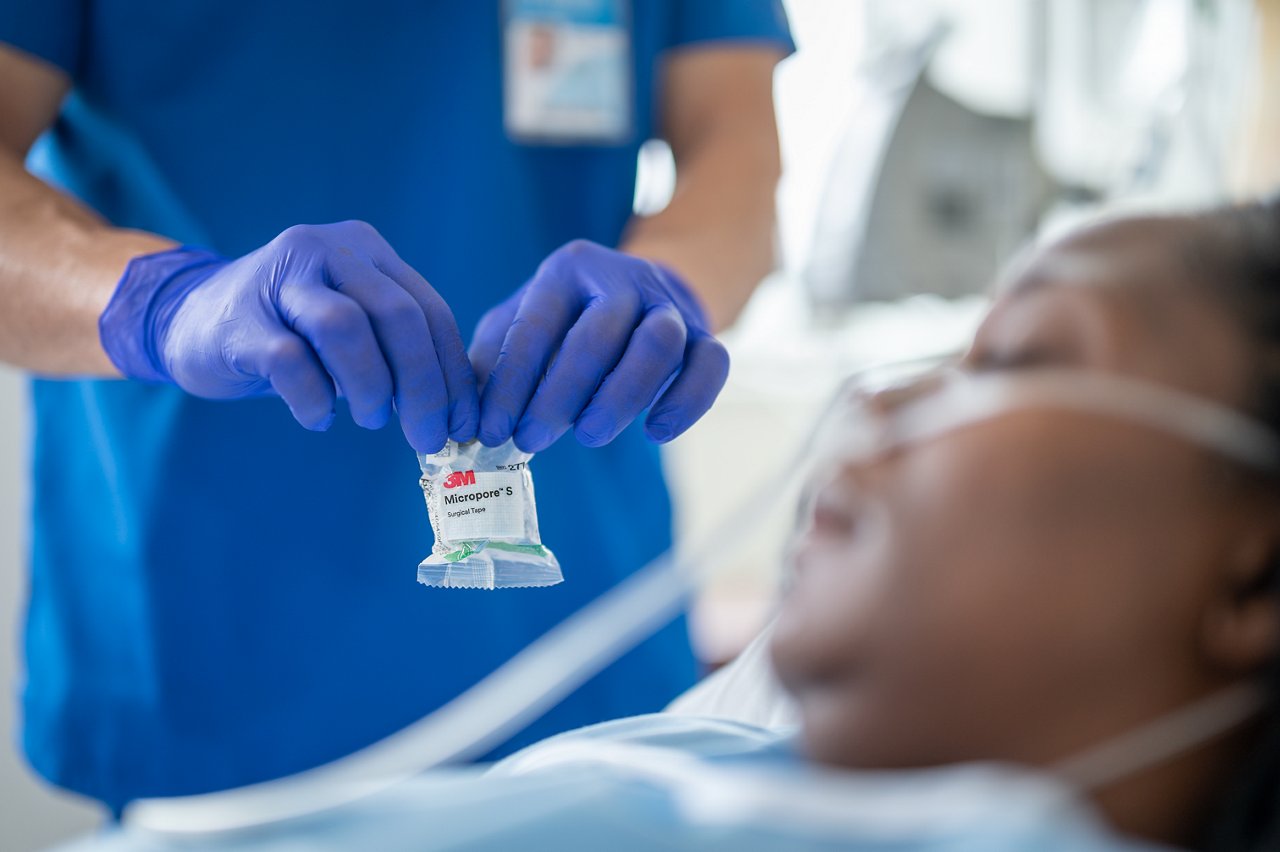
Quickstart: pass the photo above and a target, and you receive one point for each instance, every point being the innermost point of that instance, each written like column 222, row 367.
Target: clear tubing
column 963, row 398
column 555, row 664
column 1164, row 738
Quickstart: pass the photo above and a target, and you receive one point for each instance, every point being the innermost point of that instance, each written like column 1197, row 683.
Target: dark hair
column 1236, row 254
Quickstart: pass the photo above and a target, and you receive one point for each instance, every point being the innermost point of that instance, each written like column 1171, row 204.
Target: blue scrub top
column 217, row 596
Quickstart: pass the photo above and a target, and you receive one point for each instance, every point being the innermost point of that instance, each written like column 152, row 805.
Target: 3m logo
column 459, row 478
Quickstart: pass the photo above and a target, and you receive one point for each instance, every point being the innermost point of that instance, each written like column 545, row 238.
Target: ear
column 1241, row 627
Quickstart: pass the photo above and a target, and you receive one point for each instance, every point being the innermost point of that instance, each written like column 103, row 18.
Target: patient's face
column 1030, row 585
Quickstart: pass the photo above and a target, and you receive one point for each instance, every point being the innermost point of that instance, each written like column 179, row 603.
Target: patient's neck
column 1171, row 803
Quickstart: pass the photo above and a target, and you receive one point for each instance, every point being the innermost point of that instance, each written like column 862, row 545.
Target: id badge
column 567, row 71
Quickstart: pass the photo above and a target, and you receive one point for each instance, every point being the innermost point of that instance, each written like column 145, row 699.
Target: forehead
column 1120, row 297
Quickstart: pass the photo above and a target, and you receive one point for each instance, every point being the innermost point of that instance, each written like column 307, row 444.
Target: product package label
column 477, row 504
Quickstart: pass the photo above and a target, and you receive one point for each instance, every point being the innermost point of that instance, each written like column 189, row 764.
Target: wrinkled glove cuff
column 683, row 297
column 145, row 299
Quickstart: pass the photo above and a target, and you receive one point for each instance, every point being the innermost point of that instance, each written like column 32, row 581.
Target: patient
column 1034, row 584
column 1016, row 591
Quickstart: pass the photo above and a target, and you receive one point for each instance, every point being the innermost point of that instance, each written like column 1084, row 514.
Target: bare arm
column 58, row 261
column 1257, row 162
column 717, row 232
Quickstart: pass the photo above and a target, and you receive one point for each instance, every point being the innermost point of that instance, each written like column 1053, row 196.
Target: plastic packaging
column 485, row 520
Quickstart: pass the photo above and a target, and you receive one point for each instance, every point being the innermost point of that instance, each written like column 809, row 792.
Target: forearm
column 1256, row 166
column 718, row 231
column 58, row 266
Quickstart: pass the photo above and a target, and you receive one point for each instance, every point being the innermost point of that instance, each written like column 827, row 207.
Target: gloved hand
column 317, row 306
column 589, row 342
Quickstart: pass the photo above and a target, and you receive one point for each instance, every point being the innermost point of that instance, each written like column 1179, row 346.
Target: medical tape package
column 485, row 520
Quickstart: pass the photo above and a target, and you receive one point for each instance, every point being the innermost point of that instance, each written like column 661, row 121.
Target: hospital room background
column 923, row 143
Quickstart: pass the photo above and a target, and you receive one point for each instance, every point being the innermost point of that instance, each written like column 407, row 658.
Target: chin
column 798, row 652
column 840, row 727
column 828, row 731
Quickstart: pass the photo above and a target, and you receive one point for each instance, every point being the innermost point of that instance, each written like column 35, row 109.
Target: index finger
column 459, row 378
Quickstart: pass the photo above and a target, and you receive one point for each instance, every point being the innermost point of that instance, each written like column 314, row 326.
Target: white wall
column 31, row 816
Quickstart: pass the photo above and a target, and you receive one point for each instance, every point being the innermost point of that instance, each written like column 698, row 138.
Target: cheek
column 994, row 530
column 1014, row 560
column 997, row 583
column 1034, row 587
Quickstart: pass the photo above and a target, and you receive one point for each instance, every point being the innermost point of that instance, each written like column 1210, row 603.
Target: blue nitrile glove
column 317, row 306
column 589, row 342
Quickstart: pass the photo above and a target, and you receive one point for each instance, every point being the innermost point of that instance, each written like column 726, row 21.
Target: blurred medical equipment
column 858, row 426
column 485, row 519
column 975, row 126
column 926, row 194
